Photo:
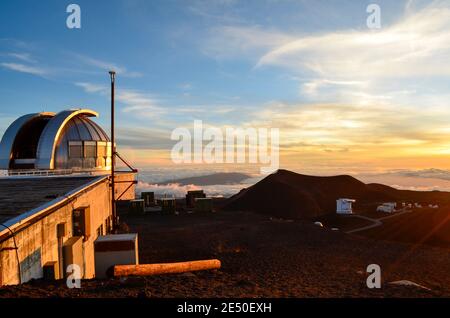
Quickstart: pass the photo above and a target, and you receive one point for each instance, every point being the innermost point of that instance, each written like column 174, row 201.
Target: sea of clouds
column 154, row 179
column 179, row 191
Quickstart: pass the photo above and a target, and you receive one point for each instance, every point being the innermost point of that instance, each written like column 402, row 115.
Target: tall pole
column 113, row 154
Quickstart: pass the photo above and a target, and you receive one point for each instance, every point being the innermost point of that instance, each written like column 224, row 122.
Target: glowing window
column 101, row 149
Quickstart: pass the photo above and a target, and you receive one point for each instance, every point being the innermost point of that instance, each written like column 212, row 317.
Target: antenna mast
column 113, row 155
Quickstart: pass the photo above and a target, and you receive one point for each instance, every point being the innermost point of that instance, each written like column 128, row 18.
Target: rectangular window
column 75, row 149
column 90, row 149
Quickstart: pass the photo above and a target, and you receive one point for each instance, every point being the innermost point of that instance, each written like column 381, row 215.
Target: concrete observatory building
column 56, row 199
column 68, row 140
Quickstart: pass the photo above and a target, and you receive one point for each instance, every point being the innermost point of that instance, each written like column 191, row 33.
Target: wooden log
column 165, row 268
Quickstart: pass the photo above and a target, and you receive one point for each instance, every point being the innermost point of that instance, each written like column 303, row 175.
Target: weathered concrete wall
column 38, row 243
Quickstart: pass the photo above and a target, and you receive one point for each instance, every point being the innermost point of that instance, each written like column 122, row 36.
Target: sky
column 346, row 98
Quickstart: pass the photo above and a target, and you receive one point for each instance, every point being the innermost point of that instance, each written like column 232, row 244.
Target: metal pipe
column 126, row 163
column 113, row 153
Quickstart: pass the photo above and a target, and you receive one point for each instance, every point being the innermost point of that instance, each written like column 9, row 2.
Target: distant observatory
column 49, row 141
column 344, row 206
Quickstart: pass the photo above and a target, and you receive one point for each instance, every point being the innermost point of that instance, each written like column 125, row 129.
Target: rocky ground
column 262, row 257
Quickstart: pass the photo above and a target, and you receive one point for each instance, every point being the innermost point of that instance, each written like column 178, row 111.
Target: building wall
column 120, row 187
column 38, row 243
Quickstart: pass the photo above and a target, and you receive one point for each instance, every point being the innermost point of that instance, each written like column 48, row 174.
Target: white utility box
column 115, row 249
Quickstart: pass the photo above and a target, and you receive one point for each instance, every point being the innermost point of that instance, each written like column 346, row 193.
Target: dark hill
column 427, row 226
column 287, row 194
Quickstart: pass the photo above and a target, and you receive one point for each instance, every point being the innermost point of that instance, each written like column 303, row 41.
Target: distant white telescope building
column 387, row 207
column 344, row 206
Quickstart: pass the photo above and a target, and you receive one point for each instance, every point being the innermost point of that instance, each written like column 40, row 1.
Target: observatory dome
column 49, row 141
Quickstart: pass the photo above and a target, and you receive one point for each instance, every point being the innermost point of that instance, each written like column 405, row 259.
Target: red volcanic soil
column 343, row 223
column 262, row 257
column 286, row 194
column 423, row 226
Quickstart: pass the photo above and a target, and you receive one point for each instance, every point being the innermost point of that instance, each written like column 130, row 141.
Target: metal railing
column 26, row 172
column 58, row 172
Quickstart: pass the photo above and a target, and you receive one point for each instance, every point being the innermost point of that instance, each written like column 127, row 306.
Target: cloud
column 140, row 103
column 185, row 86
column 217, row 10
column 144, row 138
column 359, row 87
column 22, row 68
column 146, row 105
column 135, row 102
column 424, row 173
column 417, row 180
column 417, row 45
column 180, row 191
column 237, row 41
column 349, row 64
column 356, row 130
column 92, row 88
column 25, row 57
column 107, row 66
column 313, row 87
